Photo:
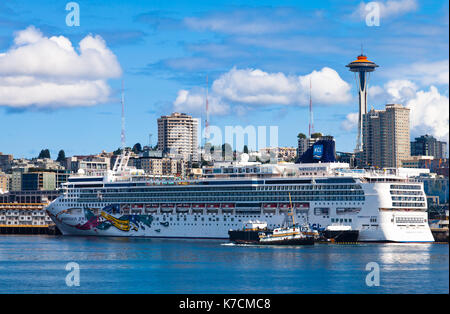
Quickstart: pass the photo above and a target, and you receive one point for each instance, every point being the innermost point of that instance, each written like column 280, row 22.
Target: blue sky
column 160, row 48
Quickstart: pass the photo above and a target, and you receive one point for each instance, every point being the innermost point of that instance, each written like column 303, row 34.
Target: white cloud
column 400, row 90
column 429, row 108
column 49, row 72
column 350, row 122
column 327, row 87
column 390, row 8
column 256, row 87
column 241, row 88
column 424, row 73
column 247, row 21
column 195, row 102
column 430, row 113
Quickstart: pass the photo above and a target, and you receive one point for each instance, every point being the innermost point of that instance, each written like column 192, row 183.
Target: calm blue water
column 36, row 264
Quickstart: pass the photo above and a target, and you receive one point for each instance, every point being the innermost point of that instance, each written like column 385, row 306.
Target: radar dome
column 244, row 157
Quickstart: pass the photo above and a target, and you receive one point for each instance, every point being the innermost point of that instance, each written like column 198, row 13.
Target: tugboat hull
column 244, row 236
column 252, row 237
column 306, row 241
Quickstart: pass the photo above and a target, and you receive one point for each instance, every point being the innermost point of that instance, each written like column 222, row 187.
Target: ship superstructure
column 125, row 202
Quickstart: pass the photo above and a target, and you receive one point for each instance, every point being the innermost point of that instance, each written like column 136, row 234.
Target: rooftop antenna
column 207, row 113
column 122, row 135
column 311, row 117
column 121, row 161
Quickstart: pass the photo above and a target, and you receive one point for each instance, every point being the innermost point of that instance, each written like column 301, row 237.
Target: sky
column 60, row 84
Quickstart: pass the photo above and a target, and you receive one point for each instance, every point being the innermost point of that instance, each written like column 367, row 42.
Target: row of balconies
column 17, row 223
column 21, row 206
column 24, row 219
column 38, row 213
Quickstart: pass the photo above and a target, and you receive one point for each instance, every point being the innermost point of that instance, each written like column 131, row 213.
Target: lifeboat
column 183, row 208
column 212, row 208
column 137, row 208
column 269, row 208
column 151, row 208
column 301, row 207
column 284, row 207
column 198, row 208
column 227, row 207
column 167, row 208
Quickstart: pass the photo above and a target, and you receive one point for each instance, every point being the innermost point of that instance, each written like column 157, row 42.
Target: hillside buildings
column 427, row 145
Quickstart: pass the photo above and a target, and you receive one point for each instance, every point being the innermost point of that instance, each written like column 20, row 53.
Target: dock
column 26, row 218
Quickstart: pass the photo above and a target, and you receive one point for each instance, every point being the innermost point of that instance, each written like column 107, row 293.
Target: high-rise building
column 5, row 161
column 386, row 136
column 177, row 136
column 427, row 145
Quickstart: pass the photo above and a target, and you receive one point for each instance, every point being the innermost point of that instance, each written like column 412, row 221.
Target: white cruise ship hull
column 215, row 226
column 381, row 208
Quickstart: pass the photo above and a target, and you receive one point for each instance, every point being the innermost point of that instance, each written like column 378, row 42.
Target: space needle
column 362, row 68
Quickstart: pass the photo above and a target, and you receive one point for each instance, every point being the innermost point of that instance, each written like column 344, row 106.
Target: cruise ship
column 383, row 206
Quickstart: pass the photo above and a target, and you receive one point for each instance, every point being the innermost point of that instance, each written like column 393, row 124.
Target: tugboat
column 257, row 233
column 340, row 233
column 286, row 236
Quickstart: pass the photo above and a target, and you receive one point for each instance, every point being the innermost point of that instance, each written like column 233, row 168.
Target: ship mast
column 291, row 212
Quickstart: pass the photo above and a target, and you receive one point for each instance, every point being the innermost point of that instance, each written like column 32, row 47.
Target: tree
column 245, row 149
column 118, row 151
column 316, row 135
column 45, row 153
column 137, row 148
column 301, row 135
column 61, row 156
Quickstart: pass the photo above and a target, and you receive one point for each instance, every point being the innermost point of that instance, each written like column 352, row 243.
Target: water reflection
column 141, row 265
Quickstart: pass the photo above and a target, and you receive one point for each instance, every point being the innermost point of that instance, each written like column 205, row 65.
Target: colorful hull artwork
column 106, row 220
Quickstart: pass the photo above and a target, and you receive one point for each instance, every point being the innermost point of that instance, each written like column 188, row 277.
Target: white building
column 177, row 136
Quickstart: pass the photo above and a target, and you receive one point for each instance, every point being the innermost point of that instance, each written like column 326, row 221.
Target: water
column 36, row 264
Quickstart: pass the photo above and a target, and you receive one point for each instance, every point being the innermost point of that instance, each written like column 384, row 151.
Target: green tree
column 61, row 156
column 45, row 153
column 301, row 135
column 117, row 151
column 316, row 135
column 245, row 149
column 137, row 148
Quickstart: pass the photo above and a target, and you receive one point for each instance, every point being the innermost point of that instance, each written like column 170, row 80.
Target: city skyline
column 259, row 59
